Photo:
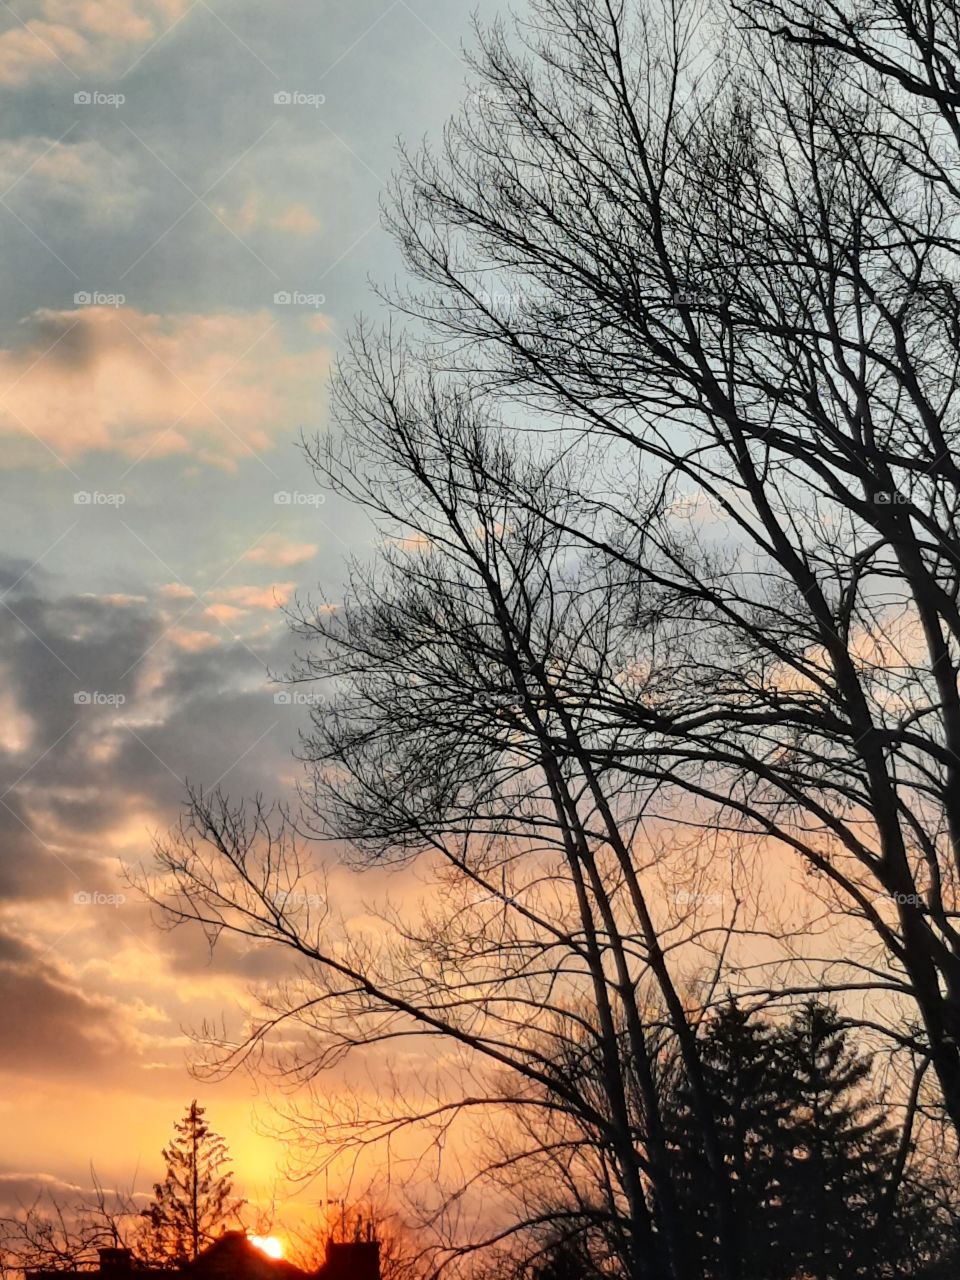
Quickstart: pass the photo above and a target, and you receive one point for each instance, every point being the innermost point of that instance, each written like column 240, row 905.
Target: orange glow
column 269, row 1245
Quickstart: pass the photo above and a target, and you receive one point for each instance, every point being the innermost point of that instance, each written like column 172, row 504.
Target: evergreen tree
column 739, row 1056
column 565, row 1259
column 809, row 1155
column 195, row 1196
column 838, row 1152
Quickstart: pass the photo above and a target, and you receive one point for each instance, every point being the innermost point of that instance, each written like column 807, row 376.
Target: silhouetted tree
column 55, row 1233
column 195, row 1196
column 814, row 1160
column 564, row 1258
column 753, row 1103
column 713, row 267
column 837, row 1153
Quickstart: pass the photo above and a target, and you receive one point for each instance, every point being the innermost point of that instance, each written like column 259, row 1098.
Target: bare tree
column 669, row 488
column 53, row 1233
column 734, row 260
column 403, row 1255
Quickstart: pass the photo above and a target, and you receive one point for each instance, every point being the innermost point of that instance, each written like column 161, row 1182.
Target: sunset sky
column 156, row 200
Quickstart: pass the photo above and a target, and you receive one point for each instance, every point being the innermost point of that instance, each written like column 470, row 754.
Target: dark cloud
column 73, row 774
column 20, row 1190
column 116, row 735
column 51, row 1025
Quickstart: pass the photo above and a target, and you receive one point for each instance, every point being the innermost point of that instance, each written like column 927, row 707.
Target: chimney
column 352, row 1260
column 115, row 1262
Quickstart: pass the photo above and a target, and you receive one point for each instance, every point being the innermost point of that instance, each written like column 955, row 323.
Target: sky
column 189, row 221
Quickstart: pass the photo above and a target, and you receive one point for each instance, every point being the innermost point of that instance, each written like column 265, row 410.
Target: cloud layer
column 219, row 386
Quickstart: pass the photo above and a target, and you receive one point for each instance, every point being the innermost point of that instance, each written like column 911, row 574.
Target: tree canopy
column 655, row 670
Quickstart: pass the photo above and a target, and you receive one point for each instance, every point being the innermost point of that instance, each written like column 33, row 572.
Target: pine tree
column 739, row 1059
column 808, row 1155
column 564, row 1260
column 195, row 1196
column 838, row 1152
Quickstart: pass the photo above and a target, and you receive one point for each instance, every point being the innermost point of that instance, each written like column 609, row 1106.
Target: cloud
column 84, row 783
column 37, row 47
column 20, row 1189
column 43, row 1012
column 231, row 604
column 87, row 36
column 270, row 597
column 51, row 182
column 297, row 220
column 218, row 387
column 190, row 640
column 258, row 213
column 280, row 552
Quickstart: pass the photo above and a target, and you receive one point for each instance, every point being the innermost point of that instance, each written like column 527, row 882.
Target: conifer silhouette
column 836, row 1151
column 195, row 1196
column 809, row 1153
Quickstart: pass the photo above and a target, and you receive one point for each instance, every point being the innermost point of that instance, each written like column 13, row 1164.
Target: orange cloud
column 297, row 219
column 193, row 641
column 223, row 612
column 276, row 550
column 256, row 597
column 231, row 603
column 255, row 213
column 218, row 387
column 86, row 35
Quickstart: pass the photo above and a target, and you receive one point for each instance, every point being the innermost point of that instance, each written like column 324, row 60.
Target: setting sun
column 269, row 1245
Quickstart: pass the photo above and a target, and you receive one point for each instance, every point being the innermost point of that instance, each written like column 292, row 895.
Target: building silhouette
column 233, row 1257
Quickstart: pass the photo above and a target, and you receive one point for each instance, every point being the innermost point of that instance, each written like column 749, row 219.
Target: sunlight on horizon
column 270, row 1245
